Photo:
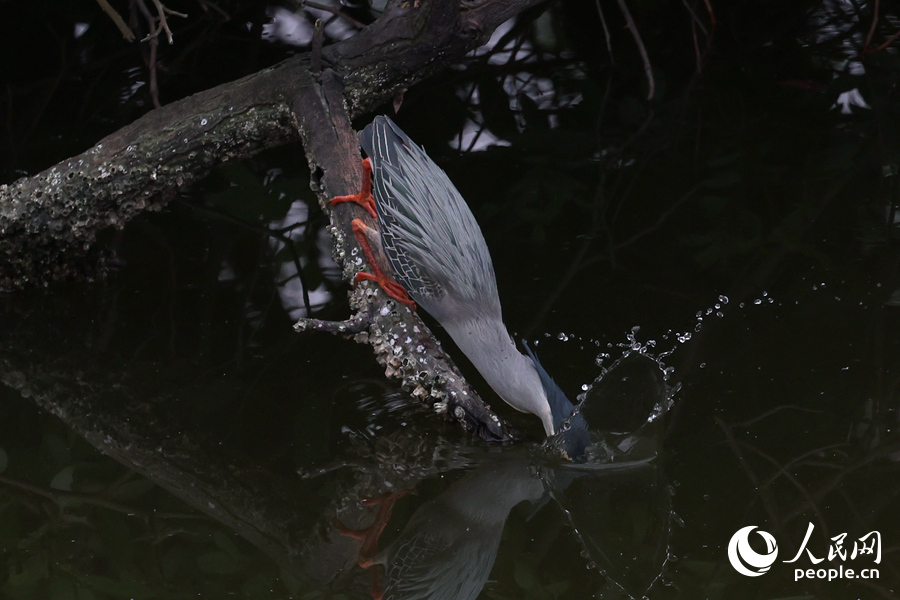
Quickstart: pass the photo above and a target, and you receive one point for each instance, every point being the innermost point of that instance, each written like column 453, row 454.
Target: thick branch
column 49, row 221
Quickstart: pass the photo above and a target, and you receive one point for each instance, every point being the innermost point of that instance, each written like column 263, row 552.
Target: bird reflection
column 448, row 547
column 618, row 503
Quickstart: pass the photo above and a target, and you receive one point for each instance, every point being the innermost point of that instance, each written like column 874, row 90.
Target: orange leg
column 391, row 287
column 370, row 536
column 364, row 198
column 375, row 587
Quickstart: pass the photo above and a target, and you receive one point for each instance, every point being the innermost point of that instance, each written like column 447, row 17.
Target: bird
column 440, row 261
column 447, row 548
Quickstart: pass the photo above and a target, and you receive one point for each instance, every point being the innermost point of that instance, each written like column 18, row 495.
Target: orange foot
column 391, row 287
column 364, row 198
column 370, row 536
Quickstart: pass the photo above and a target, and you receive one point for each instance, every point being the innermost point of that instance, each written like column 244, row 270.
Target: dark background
column 740, row 206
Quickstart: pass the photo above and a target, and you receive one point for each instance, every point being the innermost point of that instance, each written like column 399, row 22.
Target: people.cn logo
column 745, row 559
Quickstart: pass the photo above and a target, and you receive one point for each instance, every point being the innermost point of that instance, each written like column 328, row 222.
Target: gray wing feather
column 435, row 246
column 431, row 567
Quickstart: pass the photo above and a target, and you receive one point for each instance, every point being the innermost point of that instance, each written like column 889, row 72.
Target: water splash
column 647, row 402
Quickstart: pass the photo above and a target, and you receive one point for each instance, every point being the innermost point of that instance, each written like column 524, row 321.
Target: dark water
column 739, row 229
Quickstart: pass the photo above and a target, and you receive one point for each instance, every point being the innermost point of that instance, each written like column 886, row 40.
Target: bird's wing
column 434, row 244
column 432, row 567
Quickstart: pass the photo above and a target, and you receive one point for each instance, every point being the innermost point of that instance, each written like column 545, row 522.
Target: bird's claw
column 364, row 198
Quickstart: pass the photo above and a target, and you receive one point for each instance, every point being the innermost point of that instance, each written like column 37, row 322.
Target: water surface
column 739, row 229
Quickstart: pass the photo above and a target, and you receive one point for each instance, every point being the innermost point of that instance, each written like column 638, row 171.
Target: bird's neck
column 560, row 406
column 486, row 342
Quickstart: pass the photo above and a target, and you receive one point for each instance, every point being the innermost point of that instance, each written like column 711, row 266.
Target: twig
column 575, row 264
column 872, row 28
column 209, row 5
column 712, row 14
column 696, row 46
column 64, row 498
column 800, row 487
column 151, row 62
column 356, row 324
column 612, row 60
column 315, row 54
column 889, row 41
column 56, row 82
column 335, row 12
column 158, row 24
column 706, row 51
column 146, row 12
column 662, row 218
column 162, row 11
column 154, row 86
column 838, row 479
column 640, row 44
column 695, row 18
column 783, row 470
column 8, row 122
column 468, row 102
column 278, row 234
column 696, row 23
column 766, row 497
column 771, row 412
column 117, row 19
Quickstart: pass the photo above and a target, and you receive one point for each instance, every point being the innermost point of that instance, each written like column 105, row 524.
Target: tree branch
column 258, row 504
column 49, row 222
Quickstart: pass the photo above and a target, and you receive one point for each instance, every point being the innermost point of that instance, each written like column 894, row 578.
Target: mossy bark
column 49, row 222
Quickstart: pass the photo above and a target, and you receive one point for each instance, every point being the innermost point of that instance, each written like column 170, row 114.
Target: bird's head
column 569, row 431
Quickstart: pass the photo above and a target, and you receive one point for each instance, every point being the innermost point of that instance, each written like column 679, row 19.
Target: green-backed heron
column 447, row 548
column 439, row 258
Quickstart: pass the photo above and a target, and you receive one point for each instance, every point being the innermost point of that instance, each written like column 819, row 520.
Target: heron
column 447, row 548
column 440, row 261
